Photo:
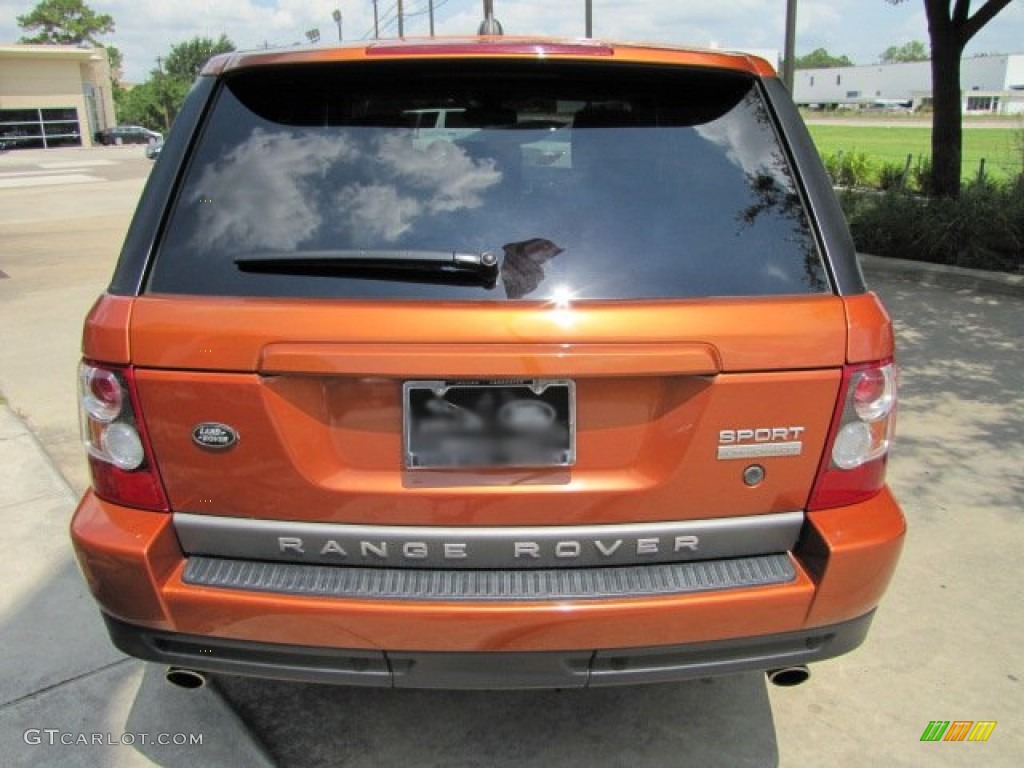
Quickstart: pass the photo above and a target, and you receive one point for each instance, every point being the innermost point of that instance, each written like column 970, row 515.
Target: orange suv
column 593, row 393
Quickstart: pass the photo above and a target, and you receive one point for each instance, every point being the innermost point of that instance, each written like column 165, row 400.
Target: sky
column 861, row 29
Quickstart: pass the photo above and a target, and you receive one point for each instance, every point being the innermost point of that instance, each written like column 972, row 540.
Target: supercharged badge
column 757, row 442
column 214, row 436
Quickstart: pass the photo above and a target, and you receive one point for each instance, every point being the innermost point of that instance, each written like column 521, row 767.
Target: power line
column 389, row 18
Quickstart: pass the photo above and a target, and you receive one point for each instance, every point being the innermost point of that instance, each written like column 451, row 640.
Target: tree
column 116, row 61
column 819, row 58
column 912, row 51
column 65, row 22
column 950, row 27
column 139, row 105
column 155, row 103
column 186, row 60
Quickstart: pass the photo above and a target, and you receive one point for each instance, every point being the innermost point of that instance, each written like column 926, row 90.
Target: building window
column 979, row 103
column 39, row 128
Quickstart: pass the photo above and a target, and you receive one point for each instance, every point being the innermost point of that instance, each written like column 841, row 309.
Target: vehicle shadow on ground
column 723, row 721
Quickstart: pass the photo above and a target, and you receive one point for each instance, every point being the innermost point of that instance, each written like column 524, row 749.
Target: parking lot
column 945, row 644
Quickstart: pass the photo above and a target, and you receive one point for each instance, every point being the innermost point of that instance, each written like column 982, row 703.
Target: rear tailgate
column 673, row 401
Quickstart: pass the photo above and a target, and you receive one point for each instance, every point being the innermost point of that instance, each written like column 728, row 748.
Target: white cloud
column 282, row 166
column 232, row 193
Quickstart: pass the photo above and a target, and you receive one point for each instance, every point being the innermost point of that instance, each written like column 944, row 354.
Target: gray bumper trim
column 490, row 670
column 487, row 547
column 509, row 585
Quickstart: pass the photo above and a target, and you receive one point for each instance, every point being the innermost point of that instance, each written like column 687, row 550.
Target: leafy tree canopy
column 819, row 58
column 186, row 60
column 156, row 102
column 915, row 50
column 64, row 22
column 116, row 60
column 153, row 103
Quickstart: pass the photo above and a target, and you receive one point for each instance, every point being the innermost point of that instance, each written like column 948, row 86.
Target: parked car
column 361, row 412
column 16, row 138
column 154, row 148
column 128, row 134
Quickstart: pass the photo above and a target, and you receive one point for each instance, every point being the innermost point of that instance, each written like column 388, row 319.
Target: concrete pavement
column 945, row 644
column 61, row 680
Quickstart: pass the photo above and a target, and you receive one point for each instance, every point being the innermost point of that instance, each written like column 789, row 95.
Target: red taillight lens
column 119, row 450
column 874, row 392
column 102, row 393
column 853, row 468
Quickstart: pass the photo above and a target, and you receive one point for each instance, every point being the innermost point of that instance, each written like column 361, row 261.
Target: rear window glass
column 585, row 181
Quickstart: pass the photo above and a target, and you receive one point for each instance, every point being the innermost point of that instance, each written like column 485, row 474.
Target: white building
column 991, row 84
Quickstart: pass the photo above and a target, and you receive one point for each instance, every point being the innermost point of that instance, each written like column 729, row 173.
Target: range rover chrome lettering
column 584, row 389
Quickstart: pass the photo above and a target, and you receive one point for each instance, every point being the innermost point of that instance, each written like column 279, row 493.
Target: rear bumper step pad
column 489, row 585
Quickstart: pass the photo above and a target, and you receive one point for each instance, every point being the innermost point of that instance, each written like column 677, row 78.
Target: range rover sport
column 593, row 393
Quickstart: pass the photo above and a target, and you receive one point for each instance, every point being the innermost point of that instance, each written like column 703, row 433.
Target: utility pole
column 336, row 15
column 376, row 22
column 401, row 28
column 430, row 6
column 161, row 95
column 789, row 62
column 590, row 18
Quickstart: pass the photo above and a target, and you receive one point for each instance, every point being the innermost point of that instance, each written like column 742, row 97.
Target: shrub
column 832, row 161
column 890, row 176
column 922, row 175
column 848, row 169
column 984, row 229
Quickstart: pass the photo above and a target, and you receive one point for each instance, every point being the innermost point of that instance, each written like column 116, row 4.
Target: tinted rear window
column 590, row 181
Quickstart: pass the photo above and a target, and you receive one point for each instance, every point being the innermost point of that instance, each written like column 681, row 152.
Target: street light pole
column 336, row 15
column 789, row 60
column 401, row 28
column 376, row 23
column 589, row 13
column 430, row 6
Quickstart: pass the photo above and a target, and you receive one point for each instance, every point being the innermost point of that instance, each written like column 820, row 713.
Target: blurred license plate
column 489, row 424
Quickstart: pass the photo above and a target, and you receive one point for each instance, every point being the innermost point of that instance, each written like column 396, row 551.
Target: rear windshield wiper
column 426, row 266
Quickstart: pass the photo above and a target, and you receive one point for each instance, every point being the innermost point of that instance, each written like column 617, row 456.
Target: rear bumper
column 136, row 570
column 489, row 670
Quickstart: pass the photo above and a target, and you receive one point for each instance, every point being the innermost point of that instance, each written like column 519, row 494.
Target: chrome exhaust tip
column 189, row 679
column 787, row 677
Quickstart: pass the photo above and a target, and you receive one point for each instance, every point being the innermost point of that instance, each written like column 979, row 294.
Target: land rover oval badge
column 214, row 436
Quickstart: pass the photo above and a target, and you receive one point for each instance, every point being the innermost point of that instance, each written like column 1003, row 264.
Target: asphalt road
column 945, row 644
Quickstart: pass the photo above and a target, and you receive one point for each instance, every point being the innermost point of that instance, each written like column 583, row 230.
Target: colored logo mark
column 958, row 730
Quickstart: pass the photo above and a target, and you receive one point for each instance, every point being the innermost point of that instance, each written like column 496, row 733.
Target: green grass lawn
column 1001, row 147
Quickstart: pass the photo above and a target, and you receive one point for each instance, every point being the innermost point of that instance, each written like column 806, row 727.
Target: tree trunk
column 950, row 27
column 947, row 118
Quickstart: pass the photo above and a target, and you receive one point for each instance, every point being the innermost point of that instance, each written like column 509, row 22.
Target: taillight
column 853, row 467
column 119, row 451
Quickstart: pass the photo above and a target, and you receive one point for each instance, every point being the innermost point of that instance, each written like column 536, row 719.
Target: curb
column 946, row 276
column 12, row 426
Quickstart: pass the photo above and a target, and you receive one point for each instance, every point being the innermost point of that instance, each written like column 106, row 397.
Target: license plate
column 448, row 424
